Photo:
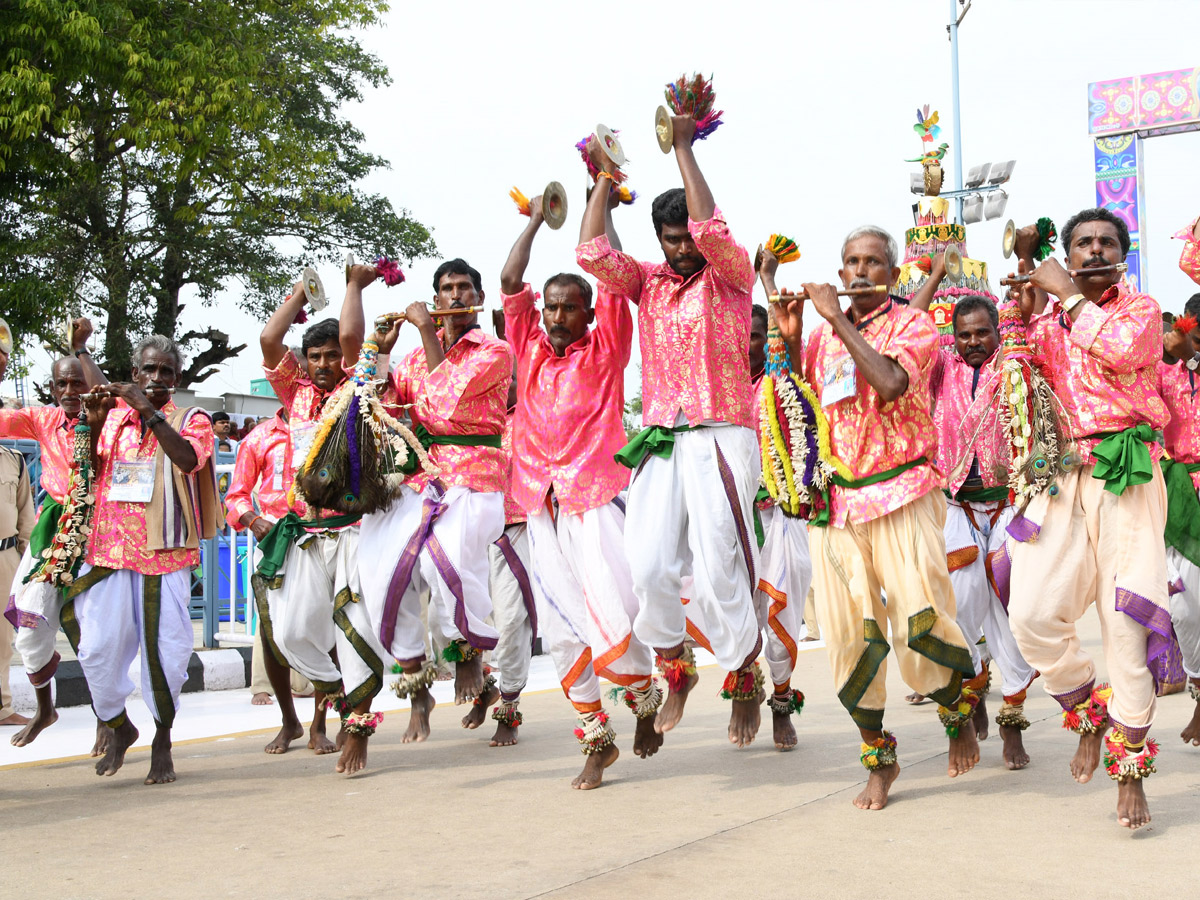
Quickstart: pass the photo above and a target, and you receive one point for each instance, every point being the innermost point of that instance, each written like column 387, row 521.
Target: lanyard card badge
column 839, row 381
column 132, row 482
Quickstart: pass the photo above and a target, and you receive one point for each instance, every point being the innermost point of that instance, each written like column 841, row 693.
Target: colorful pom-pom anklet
column 787, row 703
column 508, row 714
column 880, row 753
column 677, row 671
column 411, row 683
column 594, row 732
column 644, row 702
column 1090, row 716
column 459, row 652
column 744, row 684
column 964, row 709
column 1124, row 763
column 362, row 724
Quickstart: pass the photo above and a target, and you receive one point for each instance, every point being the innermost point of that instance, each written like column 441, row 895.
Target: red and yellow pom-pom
column 782, row 248
column 1185, row 324
column 521, row 200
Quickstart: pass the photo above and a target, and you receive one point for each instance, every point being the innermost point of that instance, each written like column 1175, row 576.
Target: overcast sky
column 819, row 104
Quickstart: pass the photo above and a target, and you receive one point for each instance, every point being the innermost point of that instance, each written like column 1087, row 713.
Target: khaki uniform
column 16, row 518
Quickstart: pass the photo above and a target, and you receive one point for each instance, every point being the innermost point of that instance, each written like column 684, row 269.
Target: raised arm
column 883, row 373
column 700, row 201
column 924, row 296
column 81, row 330
column 352, row 321
column 273, row 339
column 512, row 276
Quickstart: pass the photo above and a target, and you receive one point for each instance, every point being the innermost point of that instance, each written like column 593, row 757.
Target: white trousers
column 1185, row 609
column 514, row 646
column 979, row 610
column 317, row 608
column 121, row 616
column 39, row 607
column 680, row 520
column 784, row 578
column 586, row 604
column 462, row 534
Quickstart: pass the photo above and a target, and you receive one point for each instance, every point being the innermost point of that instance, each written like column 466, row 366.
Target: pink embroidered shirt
column 1189, row 259
column 465, row 395
column 259, row 474
column 1177, row 386
column 569, row 416
column 1103, row 366
column 513, row 513
column 694, row 333
column 970, row 437
column 869, row 435
column 119, row 537
column 49, row 426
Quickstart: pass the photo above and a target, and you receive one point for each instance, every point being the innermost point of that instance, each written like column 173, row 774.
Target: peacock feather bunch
column 695, row 97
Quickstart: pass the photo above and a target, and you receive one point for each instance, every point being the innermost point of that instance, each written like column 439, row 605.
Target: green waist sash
column 869, row 480
column 657, row 439
column 1122, row 457
column 448, row 440
column 1183, row 509
column 983, row 495
column 287, row 531
column 45, row 526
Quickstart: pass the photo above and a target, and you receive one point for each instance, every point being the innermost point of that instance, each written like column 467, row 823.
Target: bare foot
column 468, row 680
column 162, row 767
column 354, row 754
column 964, row 750
column 745, row 718
column 981, row 719
column 671, row 711
column 809, row 637
column 916, row 700
column 593, row 768
column 15, row 719
column 119, row 740
column 262, row 698
column 288, row 732
column 43, row 719
column 1086, row 757
column 646, row 737
column 505, row 736
column 319, row 742
column 418, row 717
column 784, row 731
column 479, row 708
column 103, row 737
column 1190, row 733
column 1015, row 756
column 879, row 783
column 1132, row 810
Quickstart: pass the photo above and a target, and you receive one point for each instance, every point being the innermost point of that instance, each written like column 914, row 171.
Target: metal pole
column 958, row 147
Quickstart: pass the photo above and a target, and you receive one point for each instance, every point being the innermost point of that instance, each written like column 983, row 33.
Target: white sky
column 820, row 102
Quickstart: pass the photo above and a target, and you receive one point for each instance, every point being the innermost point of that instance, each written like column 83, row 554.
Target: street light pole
column 955, row 19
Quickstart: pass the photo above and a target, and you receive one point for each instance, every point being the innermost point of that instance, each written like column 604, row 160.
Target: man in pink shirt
column 156, row 499
column 1095, row 537
column 571, row 383
column 870, row 366
column 696, row 462
column 438, row 531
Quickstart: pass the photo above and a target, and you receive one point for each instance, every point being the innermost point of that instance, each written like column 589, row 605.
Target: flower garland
column 744, row 684
column 412, row 683
column 459, row 652
column 964, row 709
column 60, row 561
column 594, row 733
column 679, row 671
column 1123, row 762
column 791, row 701
column 1012, row 715
column 508, row 714
column 1090, row 716
column 362, row 724
column 644, row 702
column 880, row 753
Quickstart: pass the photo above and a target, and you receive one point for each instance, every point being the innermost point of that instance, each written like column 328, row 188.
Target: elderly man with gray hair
column 870, row 366
column 156, row 499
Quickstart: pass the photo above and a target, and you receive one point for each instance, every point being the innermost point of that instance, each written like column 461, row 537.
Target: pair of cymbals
column 554, row 205
column 314, row 290
column 1009, row 241
column 6, row 337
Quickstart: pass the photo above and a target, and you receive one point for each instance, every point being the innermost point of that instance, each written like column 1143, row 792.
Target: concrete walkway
column 454, row 818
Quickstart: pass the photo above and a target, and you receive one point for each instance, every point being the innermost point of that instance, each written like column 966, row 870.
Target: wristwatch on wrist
column 78, row 353
column 155, row 419
column 1193, row 364
column 1072, row 303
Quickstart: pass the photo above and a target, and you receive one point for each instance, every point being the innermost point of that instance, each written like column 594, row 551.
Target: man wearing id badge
column 156, row 499
column 870, row 366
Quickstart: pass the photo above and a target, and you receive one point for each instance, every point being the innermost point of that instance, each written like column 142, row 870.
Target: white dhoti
column 1185, row 609
column 441, row 542
column 34, row 610
column 126, row 613
column 313, row 605
column 784, row 578
column 512, row 599
column 586, row 603
column 974, row 532
column 693, row 513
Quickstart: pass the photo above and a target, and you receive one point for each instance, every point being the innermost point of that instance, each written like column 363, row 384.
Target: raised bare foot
column 120, row 739
column 1190, row 733
column 593, row 768
column 162, row 767
column 41, row 720
column 468, row 680
column 262, row 698
column 479, row 708
column 784, row 731
column 103, row 736
column 646, row 737
column 354, row 754
column 1087, row 757
column 15, row 719
column 1015, row 755
column 879, row 783
column 915, row 699
column 319, row 742
column 964, row 750
column 671, row 711
column 288, row 732
column 1132, row 810
column 981, row 719
column 745, row 718
column 505, row 736
column 418, row 717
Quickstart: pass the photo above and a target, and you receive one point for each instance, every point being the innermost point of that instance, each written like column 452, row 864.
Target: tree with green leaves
column 148, row 147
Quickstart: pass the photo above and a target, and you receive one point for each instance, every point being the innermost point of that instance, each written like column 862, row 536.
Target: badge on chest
column 132, row 482
column 839, row 381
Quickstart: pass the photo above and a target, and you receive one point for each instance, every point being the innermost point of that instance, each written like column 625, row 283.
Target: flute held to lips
column 99, row 393
column 387, row 318
column 848, row 292
column 1074, row 273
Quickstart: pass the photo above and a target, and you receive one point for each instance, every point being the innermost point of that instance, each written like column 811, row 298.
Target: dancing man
column 696, row 464
column 1097, row 539
column 870, row 368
